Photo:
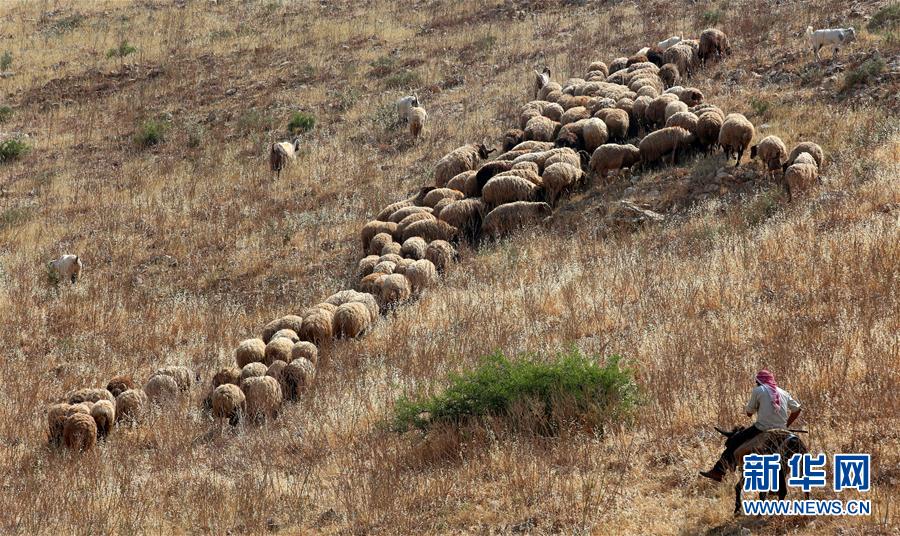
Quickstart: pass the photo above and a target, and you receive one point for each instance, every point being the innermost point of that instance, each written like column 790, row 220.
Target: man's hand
column 793, row 417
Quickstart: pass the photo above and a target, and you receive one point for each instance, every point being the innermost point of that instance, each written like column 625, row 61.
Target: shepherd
column 775, row 409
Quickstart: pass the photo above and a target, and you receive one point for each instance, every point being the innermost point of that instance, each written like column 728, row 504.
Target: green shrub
column 711, row 17
column 13, row 149
column 5, row 113
column 151, row 132
column 404, row 78
column 5, row 60
column 864, row 74
column 759, row 106
column 885, row 18
column 301, row 122
column 573, row 385
column 124, row 49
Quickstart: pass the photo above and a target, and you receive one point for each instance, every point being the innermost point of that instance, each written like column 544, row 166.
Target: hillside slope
column 189, row 247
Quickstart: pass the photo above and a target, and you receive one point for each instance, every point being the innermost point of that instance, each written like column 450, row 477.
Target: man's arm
column 752, row 404
column 793, row 416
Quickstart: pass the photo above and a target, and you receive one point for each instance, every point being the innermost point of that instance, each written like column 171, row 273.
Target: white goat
column 674, row 40
column 404, row 104
column 281, row 152
column 836, row 38
column 65, row 268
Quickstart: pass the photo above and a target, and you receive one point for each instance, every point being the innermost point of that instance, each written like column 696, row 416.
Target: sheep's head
column 849, row 35
column 543, row 209
column 483, row 150
column 585, row 159
column 754, row 150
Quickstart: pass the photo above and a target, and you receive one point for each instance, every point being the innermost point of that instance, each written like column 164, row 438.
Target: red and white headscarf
column 767, row 380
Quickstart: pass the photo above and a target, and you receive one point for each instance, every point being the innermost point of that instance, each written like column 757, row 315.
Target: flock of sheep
column 567, row 132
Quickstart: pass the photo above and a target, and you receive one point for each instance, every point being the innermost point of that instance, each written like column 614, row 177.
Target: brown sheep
column 511, row 216
column 772, row 151
column 395, row 290
column 801, row 175
column 512, row 137
column 441, row 254
column 465, row 215
column 376, row 227
column 89, row 395
column 119, row 384
column 402, row 213
column 709, row 124
column 669, row 140
column 230, row 375
column 430, row 230
column 735, row 136
column 305, row 350
column 610, row 156
column 713, row 43
column 351, row 320
column 228, row 402
column 317, row 326
column 249, row 351
column 104, row 414
column 161, row 389
column 458, row 160
column 262, row 398
column 386, row 212
column 56, row 419
column 668, row 73
column 297, row 377
column 131, row 405
column 292, row 322
column 378, row 242
column 421, row 274
column 806, row 147
column 80, row 432
column 278, row 349
column 617, row 123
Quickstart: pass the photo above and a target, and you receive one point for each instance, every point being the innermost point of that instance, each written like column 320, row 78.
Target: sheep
column 287, row 333
column 611, row 156
column 392, row 248
column 617, row 124
column 458, row 160
column 421, row 274
column 709, row 124
column 512, row 137
column 655, row 55
column 487, row 171
column 351, row 320
column 249, row 351
column 541, row 128
column 403, row 265
column 402, row 213
column 529, row 110
column 558, row 178
column 506, row 218
column 386, row 212
column 79, row 432
column 89, row 395
column 540, row 80
column 305, row 350
column 291, row 322
column 384, row 267
column 551, row 110
column 416, row 119
column 836, row 38
column 347, row 296
column 735, row 135
column 161, row 389
column 617, row 65
column 667, row 140
column 801, row 175
column 437, row 194
column 404, row 105
column 430, row 230
column 390, row 257
column 118, row 384
column 673, row 108
column 574, row 114
column 669, row 74
column 713, row 42
column 531, row 145
column 282, row 152
column 104, row 415
column 465, row 215
column 395, row 289
column 566, row 155
column 297, row 377
column 378, row 242
column 508, row 188
column 66, row 268
column 275, row 370
column 371, row 283
column 131, row 405
column 373, row 228
column 598, row 66
column 639, row 111
column 637, row 58
column 262, row 398
column 278, row 349
column 253, row 370
column 688, row 95
column 411, row 219
column 772, row 151
column 414, row 248
column 682, row 55
column 674, row 40
column 56, row 418
column 465, row 182
column 441, row 254
column 685, row 120
column 182, row 376
column 806, row 147
column 228, row 402
column 441, row 205
column 226, row 375
column 550, row 91
column 656, row 110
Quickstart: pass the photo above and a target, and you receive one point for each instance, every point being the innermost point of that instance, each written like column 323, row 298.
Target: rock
column 231, row 91
column 628, row 214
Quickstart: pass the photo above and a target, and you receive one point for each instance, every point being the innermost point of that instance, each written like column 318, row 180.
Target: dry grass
column 189, row 247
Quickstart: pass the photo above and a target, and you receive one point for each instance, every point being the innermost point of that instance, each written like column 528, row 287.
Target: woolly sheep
column 390, row 257
column 674, row 40
column 488, row 170
column 228, row 402
column 550, row 88
column 104, row 415
column 565, row 155
column 421, row 275
column 226, row 375
column 292, row 322
column 411, row 219
column 512, row 137
column 386, row 212
column 305, row 350
column 532, row 145
column 574, row 114
column 682, row 55
column 378, row 242
column 79, row 432
column 131, row 405
column 253, row 370
column 735, row 135
column 414, row 247
column 688, row 95
column 441, row 205
column 801, row 175
column 430, row 230
column 639, row 110
column 709, row 124
column 351, row 320
column 287, row 333
column 278, row 349
column 771, row 151
column 262, row 398
column 458, row 160
column 558, row 177
column 835, row 38
column 118, row 384
column 56, row 418
column 617, row 124
column 385, row 267
column 599, row 66
column 529, row 173
column 371, row 283
column 508, row 188
column 373, row 229
column 182, row 376
column 713, row 42
column 416, row 118
column 610, row 156
column 506, row 218
column 441, row 254
column 668, row 140
column 280, row 153
column 392, row 248
column 529, row 110
column 395, row 289
column 541, row 128
column 297, row 377
column 249, row 351
column 437, row 194
column 618, row 64
column 673, row 108
column 637, row 58
column 403, row 265
column 66, row 268
column 807, row 147
column 161, row 389
column 656, row 110
column 402, row 213
column 317, row 326
column 465, row 182
column 540, row 80
column 685, row 120
column 89, row 395
column 404, row 104
column 465, row 215
column 275, row 370
column 668, row 73
column 347, row 296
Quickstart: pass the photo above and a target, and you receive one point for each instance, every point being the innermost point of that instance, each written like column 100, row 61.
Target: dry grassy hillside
column 190, row 247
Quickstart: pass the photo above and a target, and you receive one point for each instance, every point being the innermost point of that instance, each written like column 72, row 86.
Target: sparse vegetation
column 13, row 149
column 124, row 50
column 301, row 122
column 6, row 60
column 5, row 114
column 151, row 132
column 886, row 18
column 405, row 78
column 864, row 74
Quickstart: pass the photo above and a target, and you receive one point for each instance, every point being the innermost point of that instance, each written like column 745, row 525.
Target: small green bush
column 404, row 78
column 572, row 384
column 759, row 106
column 5, row 113
column 885, row 18
column 124, row 49
column 5, row 60
column 301, row 122
column 711, row 17
column 151, row 132
column 864, row 74
column 13, row 149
